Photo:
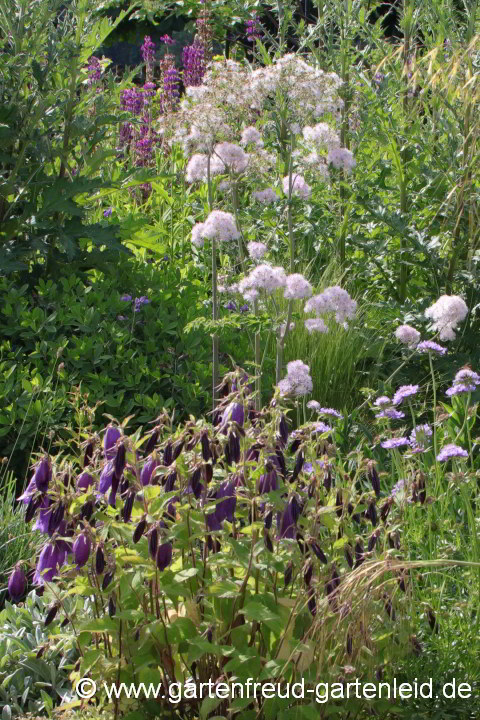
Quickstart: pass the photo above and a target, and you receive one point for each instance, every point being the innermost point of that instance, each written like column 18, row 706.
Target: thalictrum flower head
column 256, row 250
column 298, row 381
column 451, row 451
column 407, row 335
column 447, row 313
column 266, row 196
column 299, row 186
column 316, row 325
column 297, row 287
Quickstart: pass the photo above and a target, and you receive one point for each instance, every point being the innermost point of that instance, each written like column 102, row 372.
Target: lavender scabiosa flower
column 430, row 346
column 330, row 412
column 382, row 401
column 392, row 443
column 17, row 583
column 298, row 381
column 403, row 392
column 407, row 335
column 447, row 312
column 320, row 427
column 297, row 287
column 451, row 451
column 194, row 64
column 419, row 436
column 299, row 186
column 467, row 375
column 266, row 196
column 398, row 488
column 391, row 414
column 460, row 389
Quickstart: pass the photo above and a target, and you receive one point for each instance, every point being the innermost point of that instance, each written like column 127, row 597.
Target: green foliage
column 34, row 662
column 51, row 130
column 78, row 333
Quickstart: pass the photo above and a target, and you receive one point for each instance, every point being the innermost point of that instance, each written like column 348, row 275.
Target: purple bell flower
column 268, row 481
column 50, row 560
column 164, row 555
column 17, row 583
column 147, row 471
column 84, row 481
column 112, row 434
column 81, row 549
column 43, row 517
column 235, row 412
column 288, row 523
column 106, row 477
column 31, row 489
column 43, row 474
column 226, row 508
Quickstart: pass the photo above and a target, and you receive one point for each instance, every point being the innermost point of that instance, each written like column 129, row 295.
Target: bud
column 87, row 510
column 112, row 608
column 281, row 461
column 177, row 449
column 139, row 530
column 128, row 506
column 267, row 541
column 312, row 603
column 87, row 456
column 371, row 513
column 17, row 583
column 51, row 615
column 119, row 461
column 168, row 454
column 32, row 507
column 385, row 509
column 308, row 573
column 311, row 489
column 347, row 551
column 299, row 460
column 295, row 445
column 349, row 644
column 287, row 577
column 373, row 477
column 327, row 479
column 372, row 541
column 339, row 503
column 359, row 553
column 84, row 481
column 389, row 609
column 283, row 430
column 206, row 452
column 268, row 520
column 107, row 579
column 152, row 441
column 432, row 620
column 112, row 434
column 153, row 542
column 147, row 471
column 99, row 560
column 318, row 552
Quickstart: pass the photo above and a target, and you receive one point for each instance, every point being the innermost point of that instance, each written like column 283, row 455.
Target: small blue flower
column 126, row 298
column 107, row 212
column 143, row 300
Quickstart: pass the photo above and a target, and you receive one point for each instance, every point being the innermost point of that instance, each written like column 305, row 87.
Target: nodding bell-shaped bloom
column 164, row 555
column 106, row 477
column 81, row 549
column 43, row 474
column 226, row 508
column 84, row 481
column 17, row 583
column 147, row 471
column 288, row 523
column 112, row 434
column 50, row 560
column 234, row 412
column 30, row 491
column 268, row 481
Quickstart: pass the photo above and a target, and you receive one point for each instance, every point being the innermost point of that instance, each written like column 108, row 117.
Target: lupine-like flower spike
column 194, row 64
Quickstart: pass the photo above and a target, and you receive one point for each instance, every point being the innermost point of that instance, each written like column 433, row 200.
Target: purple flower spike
column 167, row 40
column 126, row 298
column 141, row 301
column 164, row 555
column 148, row 50
column 194, row 64
column 81, row 549
column 51, row 559
column 43, row 474
column 451, row 451
column 112, row 434
column 17, row 583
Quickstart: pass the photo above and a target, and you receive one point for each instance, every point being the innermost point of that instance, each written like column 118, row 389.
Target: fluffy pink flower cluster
column 299, row 186
column 256, row 250
column 408, row 335
column 297, row 287
column 219, row 226
column 321, row 135
column 341, row 158
column 229, row 158
column 266, row 196
column 334, row 299
column 447, row 313
column 262, row 278
column 298, row 381
column 251, row 136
